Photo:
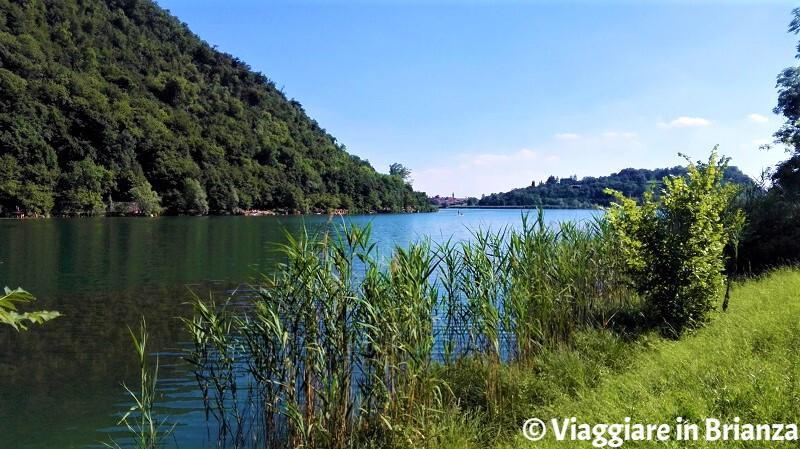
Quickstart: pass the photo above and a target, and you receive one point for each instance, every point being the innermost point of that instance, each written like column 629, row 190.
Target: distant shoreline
column 522, row 207
column 276, row 215
column 311, row 214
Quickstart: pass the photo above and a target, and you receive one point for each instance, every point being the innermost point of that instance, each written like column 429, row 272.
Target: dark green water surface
column 61, row 383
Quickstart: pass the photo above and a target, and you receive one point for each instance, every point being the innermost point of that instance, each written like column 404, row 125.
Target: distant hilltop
column 585, row 193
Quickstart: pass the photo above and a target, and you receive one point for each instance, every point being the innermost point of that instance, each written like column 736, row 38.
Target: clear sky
column 477, row 97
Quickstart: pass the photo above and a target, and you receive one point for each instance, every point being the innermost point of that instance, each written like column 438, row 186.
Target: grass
column 745, row 364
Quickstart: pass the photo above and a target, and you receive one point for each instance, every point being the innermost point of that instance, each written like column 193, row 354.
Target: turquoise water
column 61, row 383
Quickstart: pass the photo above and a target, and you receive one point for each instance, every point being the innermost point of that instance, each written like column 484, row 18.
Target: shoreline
column 49, row 217
column 276, row 215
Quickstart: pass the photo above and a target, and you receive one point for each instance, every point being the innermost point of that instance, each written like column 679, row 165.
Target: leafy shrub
column 674, row 244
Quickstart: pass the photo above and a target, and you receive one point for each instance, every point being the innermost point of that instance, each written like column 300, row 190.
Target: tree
column 149, row 201
column 195, row 201
column 86, row 185
column 787, row 175
column 36, row 198
column 772, row 236
column 10, row 181
column 400, row 171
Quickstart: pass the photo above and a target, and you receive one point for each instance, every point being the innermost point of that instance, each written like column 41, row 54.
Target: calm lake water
column 61, row 383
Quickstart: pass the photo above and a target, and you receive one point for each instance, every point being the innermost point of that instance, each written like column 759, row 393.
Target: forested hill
column 588, row 192
column 117, row 101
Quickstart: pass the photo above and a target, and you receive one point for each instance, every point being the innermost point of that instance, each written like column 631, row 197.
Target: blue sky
column 479, row 97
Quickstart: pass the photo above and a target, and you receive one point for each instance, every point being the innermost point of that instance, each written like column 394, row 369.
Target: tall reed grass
column 343, row 347
column 145, row 429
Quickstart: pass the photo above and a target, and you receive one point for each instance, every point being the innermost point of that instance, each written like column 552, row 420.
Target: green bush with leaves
column 675, row 243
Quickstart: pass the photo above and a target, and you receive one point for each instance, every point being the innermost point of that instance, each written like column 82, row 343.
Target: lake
column 61, row 383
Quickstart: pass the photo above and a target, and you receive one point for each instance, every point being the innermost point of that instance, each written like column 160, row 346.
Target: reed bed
column 344, row 347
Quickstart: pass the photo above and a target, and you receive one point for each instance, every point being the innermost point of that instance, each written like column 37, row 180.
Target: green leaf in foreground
column 9, row 314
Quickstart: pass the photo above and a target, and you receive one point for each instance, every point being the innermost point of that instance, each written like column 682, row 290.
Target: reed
column 141, row 420
column 218, row 369
column 341, row 347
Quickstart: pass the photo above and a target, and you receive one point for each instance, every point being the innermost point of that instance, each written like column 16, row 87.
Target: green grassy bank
column 745, row 364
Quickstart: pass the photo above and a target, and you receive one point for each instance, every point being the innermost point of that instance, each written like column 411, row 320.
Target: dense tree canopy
column 117, row 101
column 787, row 175
column 590, row 191
column 773, row 233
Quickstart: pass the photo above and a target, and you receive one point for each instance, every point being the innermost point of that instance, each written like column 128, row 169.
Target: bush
column 674, row 244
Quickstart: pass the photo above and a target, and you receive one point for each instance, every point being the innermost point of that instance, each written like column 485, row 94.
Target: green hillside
column 574, row 193
column 117, row 101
